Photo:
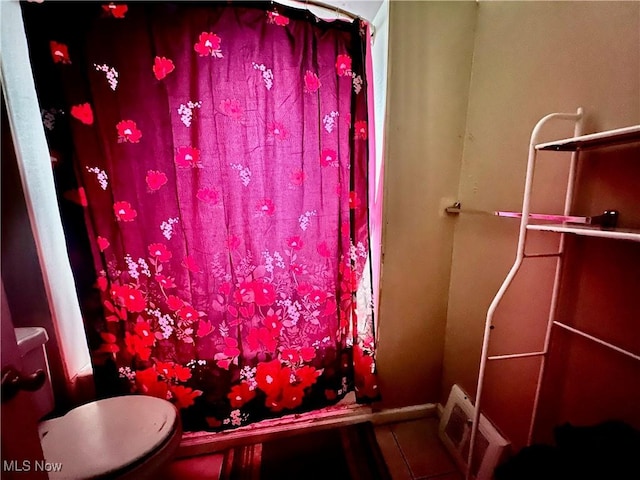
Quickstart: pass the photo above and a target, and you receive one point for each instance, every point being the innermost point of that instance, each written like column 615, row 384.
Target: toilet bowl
column 121, row 437
column 126, row 437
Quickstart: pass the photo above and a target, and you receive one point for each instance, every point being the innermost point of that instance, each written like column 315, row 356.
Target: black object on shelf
column 609, row 219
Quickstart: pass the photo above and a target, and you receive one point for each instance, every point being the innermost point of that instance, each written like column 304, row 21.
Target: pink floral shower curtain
column 221, row 157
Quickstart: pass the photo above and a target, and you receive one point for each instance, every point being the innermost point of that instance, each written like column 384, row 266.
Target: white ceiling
column 366, row 9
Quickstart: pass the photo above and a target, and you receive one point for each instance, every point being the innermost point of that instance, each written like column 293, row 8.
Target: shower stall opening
column 211, row 168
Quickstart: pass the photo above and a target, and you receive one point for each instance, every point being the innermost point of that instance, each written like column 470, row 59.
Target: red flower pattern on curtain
column 225, row 169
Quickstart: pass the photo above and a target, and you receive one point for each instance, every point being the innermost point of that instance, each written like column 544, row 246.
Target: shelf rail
column 520, row 256
column 597, row 340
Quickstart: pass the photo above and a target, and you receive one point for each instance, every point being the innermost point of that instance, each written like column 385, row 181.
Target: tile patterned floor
column 411, row 449
column 204, row 467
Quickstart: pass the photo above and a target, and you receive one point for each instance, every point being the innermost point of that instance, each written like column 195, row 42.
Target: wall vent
column 455, row 433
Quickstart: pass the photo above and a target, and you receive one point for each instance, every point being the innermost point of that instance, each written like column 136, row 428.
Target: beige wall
column 530, row 59
column 431, row 44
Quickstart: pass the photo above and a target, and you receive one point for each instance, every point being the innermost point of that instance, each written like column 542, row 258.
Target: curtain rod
column 333, row 8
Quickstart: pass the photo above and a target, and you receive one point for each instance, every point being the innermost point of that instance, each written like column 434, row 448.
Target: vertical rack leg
column 568, row 202
column 526, row 203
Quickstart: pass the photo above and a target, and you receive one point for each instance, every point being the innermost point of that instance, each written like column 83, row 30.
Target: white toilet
column 127, row 437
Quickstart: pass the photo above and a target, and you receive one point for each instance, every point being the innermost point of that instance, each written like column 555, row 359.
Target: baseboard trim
column 200, row 443
column 403, row 414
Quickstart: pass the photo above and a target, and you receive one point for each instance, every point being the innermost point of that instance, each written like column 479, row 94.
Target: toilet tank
column 31, row 342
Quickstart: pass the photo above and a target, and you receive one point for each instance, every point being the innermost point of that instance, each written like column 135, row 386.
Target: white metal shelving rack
column 575, row 145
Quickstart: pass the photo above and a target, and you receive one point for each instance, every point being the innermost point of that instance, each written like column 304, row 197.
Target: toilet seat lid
column 108, row 435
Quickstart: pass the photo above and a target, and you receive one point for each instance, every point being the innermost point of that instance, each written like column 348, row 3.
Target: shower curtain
column 221, row 159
